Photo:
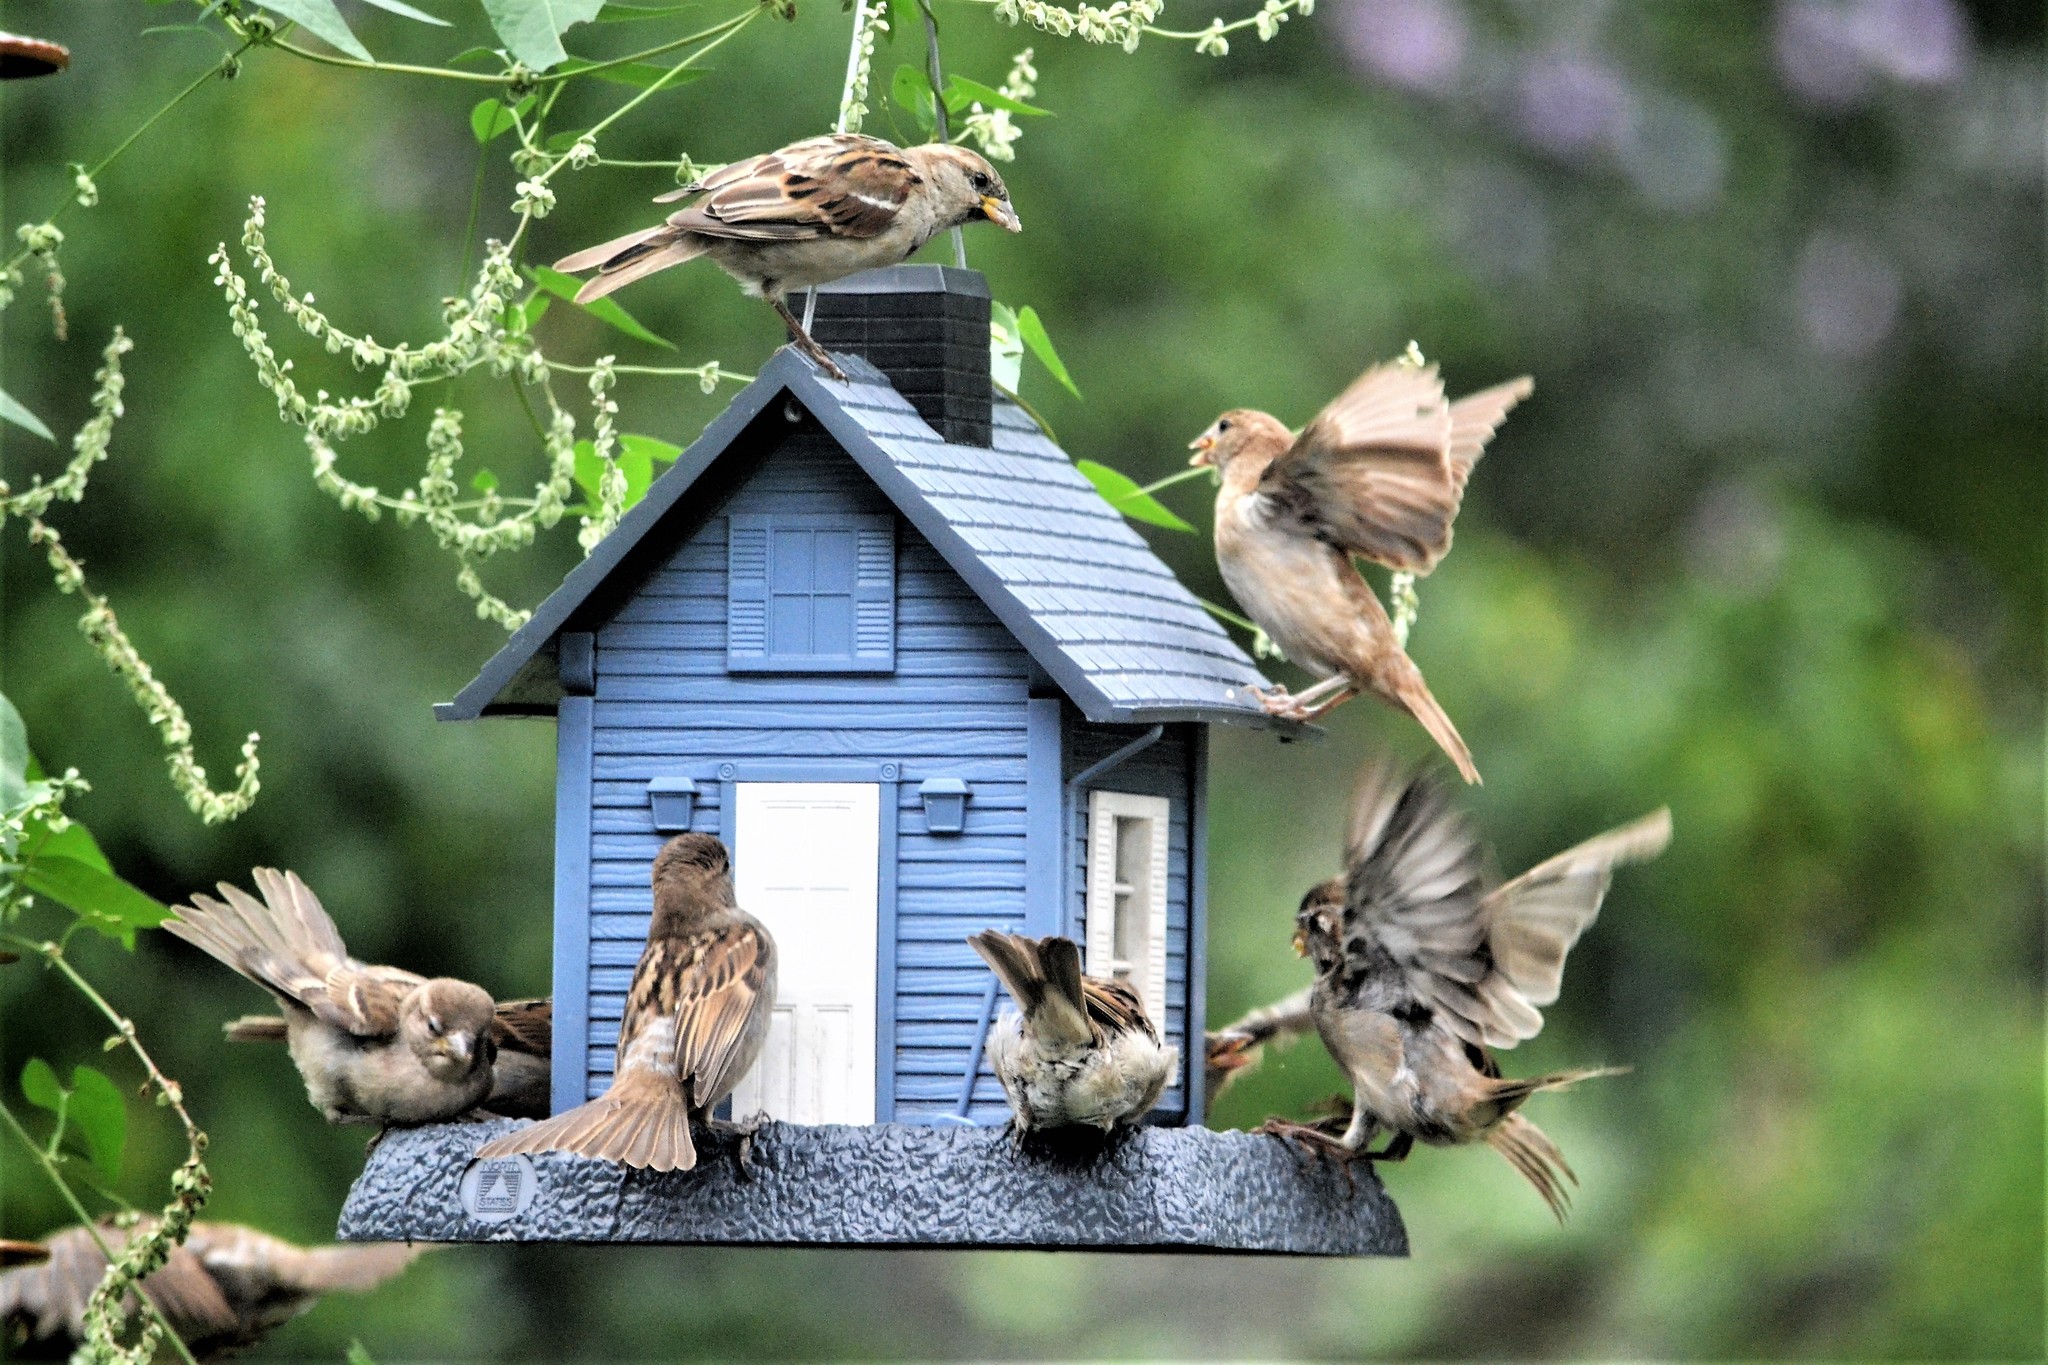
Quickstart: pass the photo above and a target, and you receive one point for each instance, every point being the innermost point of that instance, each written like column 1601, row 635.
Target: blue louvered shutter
column 811, row 593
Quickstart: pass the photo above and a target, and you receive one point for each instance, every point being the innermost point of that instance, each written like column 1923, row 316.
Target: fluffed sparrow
column 1379, row 473
column 225, row 1289
column 522, row 1039
column 1421, row 971
column 373, row 1044
column 806, row 215
column 1082, row 1050
column 696, row 1016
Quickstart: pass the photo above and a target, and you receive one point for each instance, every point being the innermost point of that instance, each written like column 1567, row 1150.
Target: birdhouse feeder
column 884, row 640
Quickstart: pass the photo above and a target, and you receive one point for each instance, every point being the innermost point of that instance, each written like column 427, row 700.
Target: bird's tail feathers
column 638, row 262
column 255, row 1028
column 591, row 257
column 1044, row 977
column 1509, row 1092
column 642, row 1121
column 1529, row 1150
column 1414, row 694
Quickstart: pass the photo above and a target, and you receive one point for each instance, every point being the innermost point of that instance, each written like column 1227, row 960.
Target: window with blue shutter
column 811, row 593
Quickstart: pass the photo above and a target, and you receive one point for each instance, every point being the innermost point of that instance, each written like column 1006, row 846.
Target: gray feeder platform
column 1159, row 1189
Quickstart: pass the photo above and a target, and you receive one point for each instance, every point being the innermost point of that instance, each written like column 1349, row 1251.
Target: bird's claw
column 1316, row 1145
column 744, row 1130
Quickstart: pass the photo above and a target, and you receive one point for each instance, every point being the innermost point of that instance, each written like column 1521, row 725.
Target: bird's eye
column 433, row 1026
column 1223, row 426
column 980, row 182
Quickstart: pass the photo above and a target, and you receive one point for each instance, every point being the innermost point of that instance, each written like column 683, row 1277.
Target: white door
column 805, row 864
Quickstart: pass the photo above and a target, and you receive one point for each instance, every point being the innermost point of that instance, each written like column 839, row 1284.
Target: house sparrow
column 696, row 1016
column 809, row 214
column 1379, row 473
column 1082, row 1051
column 374, row 1044
column 226, row 1288
column 522, row 1041
column 1421, row 971
column 1236, row 1047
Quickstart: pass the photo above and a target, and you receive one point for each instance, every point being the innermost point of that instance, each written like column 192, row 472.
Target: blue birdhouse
column 887, row 642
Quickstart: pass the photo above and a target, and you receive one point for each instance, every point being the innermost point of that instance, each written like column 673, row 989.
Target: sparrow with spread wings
column 1379, row 474
column 806, row 215
column 224, row 1289
column 1422, row 970
column 696, row 1016
column 1079, row 1050
column 373, row 1044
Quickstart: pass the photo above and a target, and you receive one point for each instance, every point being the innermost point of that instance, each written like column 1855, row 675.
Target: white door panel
column 806, row 863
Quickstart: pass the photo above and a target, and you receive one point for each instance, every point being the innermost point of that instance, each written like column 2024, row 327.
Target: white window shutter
column 1115, row 818
column 1101, row 904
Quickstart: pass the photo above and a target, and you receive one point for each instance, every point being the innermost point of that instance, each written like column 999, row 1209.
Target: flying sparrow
column 225, row 1289
column 1422, row 970
column 1379, row 473
column 373, row 1044
column 1082, row 1051
column 522, row 1041
column 1237, row 1047
column 806, row 215
column 696, row 1016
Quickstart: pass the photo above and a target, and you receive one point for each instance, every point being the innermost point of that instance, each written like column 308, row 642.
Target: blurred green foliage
column 1764, row 546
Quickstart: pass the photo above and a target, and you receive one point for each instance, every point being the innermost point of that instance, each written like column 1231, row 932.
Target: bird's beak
column 461, row 1044
column 1300, row 943
column 1204, row 447
column 999, row 212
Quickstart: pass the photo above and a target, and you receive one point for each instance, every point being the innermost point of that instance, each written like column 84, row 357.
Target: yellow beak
column 1300, row 943
column 1204, row 447
column 1000, row 213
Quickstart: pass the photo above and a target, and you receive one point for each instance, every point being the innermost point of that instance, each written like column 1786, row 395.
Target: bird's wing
column 287, row 943
column 1372, row 473
column 1115, row 1007
column 845, row 185
column 717, row 997
column 1474, row 419
column 191, row 1298
column 1413, row 890
column 1533, row 921
column 524, row 1026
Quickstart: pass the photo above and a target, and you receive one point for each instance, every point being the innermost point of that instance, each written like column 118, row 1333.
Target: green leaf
column 904, row 18
column 102, row 900
column 961, row 92
column 400, row 7
column 39, row 1083
column 321, row 19
column 588, row 468
column 913, row 92
column 637, row 456
column 1005, row 346
column 76, row 843
column 532, row 29
column 490, row 119
column 11, row 410
column 1033, row 332
column 100, row 1115
column 484, row 481
column 471, row 53
column 1121, row 491
column 357, row 1355
column 14, row 756
column 641, row 74
column 604, row 310
column 659, row 451
column 616, row 12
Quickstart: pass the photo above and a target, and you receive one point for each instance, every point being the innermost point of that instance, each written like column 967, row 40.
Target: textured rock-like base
column 1158, row 1189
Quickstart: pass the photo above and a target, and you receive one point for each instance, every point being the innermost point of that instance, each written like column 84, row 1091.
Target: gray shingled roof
column 1080, row 589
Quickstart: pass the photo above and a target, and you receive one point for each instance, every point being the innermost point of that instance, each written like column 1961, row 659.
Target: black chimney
column 926, row 327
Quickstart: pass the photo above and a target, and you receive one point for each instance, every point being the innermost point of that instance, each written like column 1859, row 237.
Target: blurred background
column 1765, row 546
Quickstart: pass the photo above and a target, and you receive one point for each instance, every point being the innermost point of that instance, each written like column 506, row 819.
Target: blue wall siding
column 1164, row 769
column 665, row 705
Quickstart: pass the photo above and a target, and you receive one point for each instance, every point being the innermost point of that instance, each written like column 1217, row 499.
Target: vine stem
column 860, row 23
column 1193, row 472
column 224, row 64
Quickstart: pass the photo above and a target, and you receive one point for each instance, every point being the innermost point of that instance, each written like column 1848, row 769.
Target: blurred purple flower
column 1414, row 44
column 1848, row 296
column 1829, row 52
column 1572, row 104
column 1674, row 152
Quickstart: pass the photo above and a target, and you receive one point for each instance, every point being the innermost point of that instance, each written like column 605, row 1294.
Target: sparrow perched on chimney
column 374, row 1044
column 1237, row 1047
column 696, row 1016
column 1422, row 970
column 1082, row 1051
column 1379, row 473
column 225, row 1289
column 522, row 1041
column 806, row 215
